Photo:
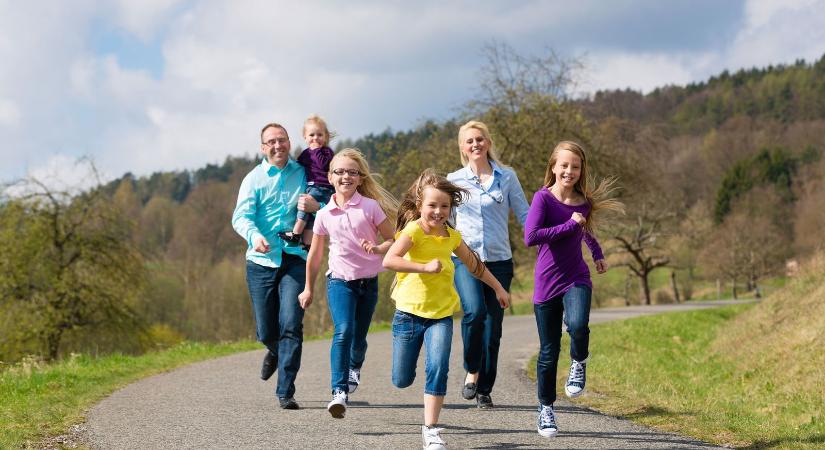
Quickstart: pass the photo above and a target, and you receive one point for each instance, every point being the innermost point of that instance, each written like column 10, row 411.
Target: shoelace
column 339, row 394
column 354, row 377
column 547, row 417
column 576, row 372
column 433, row 437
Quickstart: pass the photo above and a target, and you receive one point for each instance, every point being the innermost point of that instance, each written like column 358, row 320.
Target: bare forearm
column 399, row 264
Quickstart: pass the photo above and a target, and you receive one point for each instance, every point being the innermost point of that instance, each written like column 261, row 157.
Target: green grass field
column 669, row 372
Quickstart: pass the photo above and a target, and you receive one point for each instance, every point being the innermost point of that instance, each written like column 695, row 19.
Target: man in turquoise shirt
column 268, row 201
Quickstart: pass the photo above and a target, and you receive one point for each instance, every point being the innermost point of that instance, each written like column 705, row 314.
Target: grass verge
column 665, row 371
column 44, row 400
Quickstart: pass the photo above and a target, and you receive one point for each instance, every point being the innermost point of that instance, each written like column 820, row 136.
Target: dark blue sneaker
column 576, row 379
column 547, row 421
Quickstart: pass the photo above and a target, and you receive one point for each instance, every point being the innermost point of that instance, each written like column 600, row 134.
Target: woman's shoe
column 469, row 390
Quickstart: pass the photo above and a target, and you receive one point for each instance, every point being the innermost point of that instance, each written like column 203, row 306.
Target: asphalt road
column 222, row 404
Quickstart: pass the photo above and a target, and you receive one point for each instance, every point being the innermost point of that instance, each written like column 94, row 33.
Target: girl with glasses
column 353, row 222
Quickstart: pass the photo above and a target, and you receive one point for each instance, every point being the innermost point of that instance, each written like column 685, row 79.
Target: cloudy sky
column 147, row 85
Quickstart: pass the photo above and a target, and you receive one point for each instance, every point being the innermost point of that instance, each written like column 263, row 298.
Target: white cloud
column 642, row 71
column 779, row 32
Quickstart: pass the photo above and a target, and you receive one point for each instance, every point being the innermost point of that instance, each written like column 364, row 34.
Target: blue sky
column 151, row 85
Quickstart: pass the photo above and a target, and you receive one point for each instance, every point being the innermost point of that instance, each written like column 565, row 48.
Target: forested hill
column 784, row 93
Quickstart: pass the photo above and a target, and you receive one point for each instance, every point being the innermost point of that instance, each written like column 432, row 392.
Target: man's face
column 275, row 146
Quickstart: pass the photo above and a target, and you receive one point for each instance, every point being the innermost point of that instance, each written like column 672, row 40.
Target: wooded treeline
column 721, row 179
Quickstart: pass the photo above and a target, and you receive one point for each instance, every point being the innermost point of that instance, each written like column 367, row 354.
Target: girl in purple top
column 560, row 217
column 315, row 159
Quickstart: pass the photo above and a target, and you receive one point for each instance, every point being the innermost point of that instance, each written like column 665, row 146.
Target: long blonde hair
column 369, row 186
column 600, row 199
column 409, row 210
column 480, row 126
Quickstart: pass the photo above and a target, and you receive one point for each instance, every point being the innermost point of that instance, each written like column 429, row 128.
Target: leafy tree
column 67, row 266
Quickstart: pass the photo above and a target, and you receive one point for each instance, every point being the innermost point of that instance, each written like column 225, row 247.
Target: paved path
column 223, row 404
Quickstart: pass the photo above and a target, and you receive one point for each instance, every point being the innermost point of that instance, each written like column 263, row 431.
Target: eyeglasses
column 350, row 172
column 272, row 142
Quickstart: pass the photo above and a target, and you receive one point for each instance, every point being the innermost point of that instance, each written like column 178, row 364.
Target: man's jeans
column 408, row 333
column 574, row 305
column 278, row 315
column 351, row 304
column 481, row 324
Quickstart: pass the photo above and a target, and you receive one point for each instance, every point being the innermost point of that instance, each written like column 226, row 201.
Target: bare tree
column 639, row 244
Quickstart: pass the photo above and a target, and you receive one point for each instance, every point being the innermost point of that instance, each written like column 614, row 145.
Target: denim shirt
column 267, row 204
column 482, row 219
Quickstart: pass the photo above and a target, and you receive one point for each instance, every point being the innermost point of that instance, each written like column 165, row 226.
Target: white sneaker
column 576, row 379
column 354, row 379
column 338, row 406
column 547, row 421
column 432, row 438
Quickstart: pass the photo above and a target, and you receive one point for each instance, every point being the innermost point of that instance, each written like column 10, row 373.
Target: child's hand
column 433, row 266
column 601, row 266
column 369, row 246
column 261, row 245
column 579, row 218
column 503, row 298
column 305, row 299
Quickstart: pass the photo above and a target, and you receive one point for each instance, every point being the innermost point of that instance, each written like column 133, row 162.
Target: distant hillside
column 786, row 93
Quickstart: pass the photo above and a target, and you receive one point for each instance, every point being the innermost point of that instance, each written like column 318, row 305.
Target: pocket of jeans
column 402, row 326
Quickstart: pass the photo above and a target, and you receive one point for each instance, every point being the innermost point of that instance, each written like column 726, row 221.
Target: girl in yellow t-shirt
column 425, row 297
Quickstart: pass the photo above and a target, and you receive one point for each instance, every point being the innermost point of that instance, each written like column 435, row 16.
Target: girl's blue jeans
column 351, row 304
column 574, row 307
column 409, row 332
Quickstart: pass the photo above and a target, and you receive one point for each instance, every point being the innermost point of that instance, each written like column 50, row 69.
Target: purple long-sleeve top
column 559, row 263
column 316, row 163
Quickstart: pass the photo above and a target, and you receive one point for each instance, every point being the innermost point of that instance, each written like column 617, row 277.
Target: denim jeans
column 408, row 333
column 279, row 318
column 481, row 324
column 574, row 306
column 351, row 304
column 321, row 194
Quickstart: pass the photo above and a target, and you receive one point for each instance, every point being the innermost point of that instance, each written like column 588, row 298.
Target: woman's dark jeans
column 481, row 324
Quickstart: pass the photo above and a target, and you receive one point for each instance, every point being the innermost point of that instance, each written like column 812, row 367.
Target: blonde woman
column 493, row 191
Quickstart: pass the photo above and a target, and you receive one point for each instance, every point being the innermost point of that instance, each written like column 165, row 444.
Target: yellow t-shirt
column 428, row 295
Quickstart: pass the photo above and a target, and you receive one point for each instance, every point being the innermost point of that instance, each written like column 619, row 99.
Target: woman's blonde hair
column 409, row 210
column 599, row 198
column 369, row 186
column 480, row 126
column 318, row 120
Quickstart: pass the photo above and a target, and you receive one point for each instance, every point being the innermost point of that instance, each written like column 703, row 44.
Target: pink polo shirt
column 345, row 228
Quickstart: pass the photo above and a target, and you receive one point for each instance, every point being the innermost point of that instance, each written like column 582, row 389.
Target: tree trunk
column 718, row 289
column 673, row 284
column 627, row 289
column 733, row 283
column 53, row 344
column 645, row 286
